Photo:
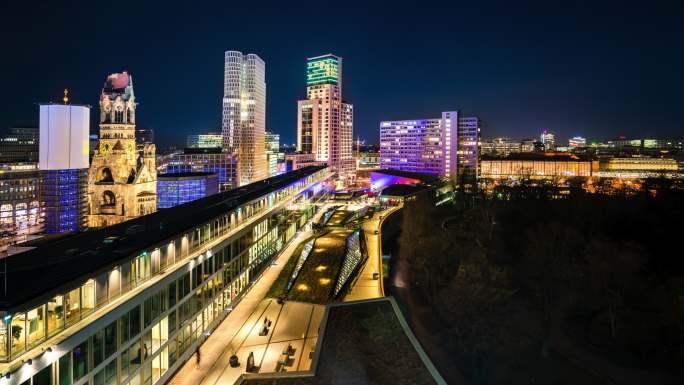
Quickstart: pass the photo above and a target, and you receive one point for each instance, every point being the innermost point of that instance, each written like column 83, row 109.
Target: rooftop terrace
column 363, row 343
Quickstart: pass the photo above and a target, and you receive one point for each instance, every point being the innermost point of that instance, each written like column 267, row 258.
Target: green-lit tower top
column 323, row 70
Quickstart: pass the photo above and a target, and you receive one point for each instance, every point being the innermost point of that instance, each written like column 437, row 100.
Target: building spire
column 66, row 96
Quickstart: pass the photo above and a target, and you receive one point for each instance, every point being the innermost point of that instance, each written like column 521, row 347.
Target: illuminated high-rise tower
column 324, row 120
column 244, row 114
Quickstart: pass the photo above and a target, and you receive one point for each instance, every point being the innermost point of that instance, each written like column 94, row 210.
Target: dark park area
column 586, row 289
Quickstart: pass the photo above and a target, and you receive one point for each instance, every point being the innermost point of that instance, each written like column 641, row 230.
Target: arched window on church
column 106, row 175
column 118, row 117
column 108, row 199
column 128, row 115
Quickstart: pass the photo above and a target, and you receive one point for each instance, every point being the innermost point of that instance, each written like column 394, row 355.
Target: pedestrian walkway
column 365, row 286
column 213, row 349
column 285, row 345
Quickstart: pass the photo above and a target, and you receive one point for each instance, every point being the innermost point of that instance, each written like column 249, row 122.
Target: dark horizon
column 598, row 71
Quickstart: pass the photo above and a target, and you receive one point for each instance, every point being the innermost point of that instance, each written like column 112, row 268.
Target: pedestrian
column 198, row 357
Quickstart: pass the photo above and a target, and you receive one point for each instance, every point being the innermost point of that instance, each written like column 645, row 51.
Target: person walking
column 198, row 357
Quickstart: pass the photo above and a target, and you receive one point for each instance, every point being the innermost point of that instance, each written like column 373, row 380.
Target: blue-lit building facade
column 129, row 304
column 211, row 160
column 63, row 162
column 179, row 188
column 66, row 200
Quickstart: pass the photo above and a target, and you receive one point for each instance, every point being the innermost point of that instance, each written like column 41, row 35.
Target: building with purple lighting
column 446, row 146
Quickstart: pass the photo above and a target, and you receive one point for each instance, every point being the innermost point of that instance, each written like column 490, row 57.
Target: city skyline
column 573, row 81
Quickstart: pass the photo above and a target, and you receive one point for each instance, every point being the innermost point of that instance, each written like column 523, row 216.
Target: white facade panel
column 63, row 140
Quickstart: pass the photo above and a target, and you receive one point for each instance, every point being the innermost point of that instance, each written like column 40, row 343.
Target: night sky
column 578, row 68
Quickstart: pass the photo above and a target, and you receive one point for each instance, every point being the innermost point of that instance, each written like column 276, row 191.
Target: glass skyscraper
column 324, row 120
column 244, row 114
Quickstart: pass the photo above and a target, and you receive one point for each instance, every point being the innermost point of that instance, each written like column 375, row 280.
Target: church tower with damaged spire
column 122, row 182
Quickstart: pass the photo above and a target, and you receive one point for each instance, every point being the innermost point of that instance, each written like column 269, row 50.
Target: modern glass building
column 176, row 189
column 204, row 141
column 206, row 160
column 19, row 144
column 21, row 212
column 244, row 114
column 66, row 201
column 324, row 119
column 130, row 303
column 272, row 142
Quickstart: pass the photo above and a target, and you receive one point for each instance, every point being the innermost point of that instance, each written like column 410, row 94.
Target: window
column 160, row 364
column 133, row 357
column 43, row 377
column 124, row 326
column 18, row 330
column 65, row 369
column 110, row 339
column 98, row 348
column 87, row 297
column 73, row 303
column 55, row 315
column 159, row 334
column 171, row 295
column 99, row 377
column 110, row 373
column 147, row 312
column 134, row 319
column 80, row 367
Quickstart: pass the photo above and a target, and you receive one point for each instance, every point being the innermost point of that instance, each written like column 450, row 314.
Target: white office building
column 244, row 114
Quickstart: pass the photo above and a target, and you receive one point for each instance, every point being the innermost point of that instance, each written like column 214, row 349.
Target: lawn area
column 316, row 281
column 339, row 217
column 280, row 284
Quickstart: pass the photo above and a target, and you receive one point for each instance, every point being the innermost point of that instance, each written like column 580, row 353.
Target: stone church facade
column 122, row 182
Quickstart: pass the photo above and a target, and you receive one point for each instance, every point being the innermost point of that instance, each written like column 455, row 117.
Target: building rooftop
column 363, row 343
column 57, row 266
column 202, row 150
column 424, row 178
column 179, row 175
column 401, row 190
column 538, row 156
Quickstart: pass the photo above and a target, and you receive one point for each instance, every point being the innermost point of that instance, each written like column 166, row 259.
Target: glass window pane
column 110, row 373
column 18, row 333
column 65, row 369
column 55, row 315
column 134, row 319
column 43, row 377
column 98, row 348
column 124, row 327
column 135, row 355
column 99, row 378
column 110, row 339
column 147, row 312
column 80, row 366
column 88, row 297
column 73, row 306
column 4, row 344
